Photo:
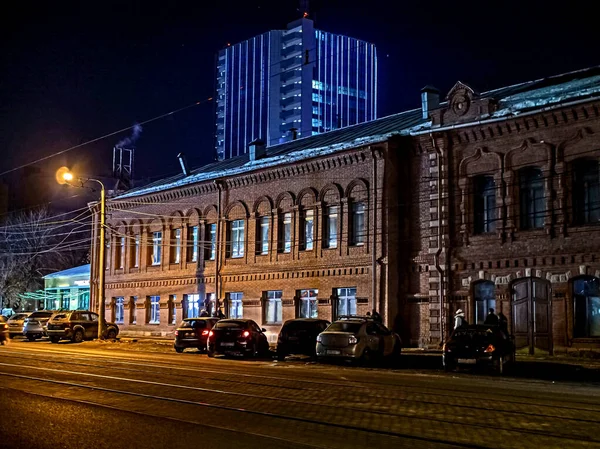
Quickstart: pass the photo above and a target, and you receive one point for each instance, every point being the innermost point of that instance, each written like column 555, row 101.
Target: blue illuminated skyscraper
column 292, row 83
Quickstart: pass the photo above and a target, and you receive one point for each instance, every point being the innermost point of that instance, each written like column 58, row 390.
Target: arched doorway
column 532, row 314
column 484, row 297
column 586, row 307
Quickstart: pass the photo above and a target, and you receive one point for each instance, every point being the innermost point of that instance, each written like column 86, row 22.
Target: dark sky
column 74, row 71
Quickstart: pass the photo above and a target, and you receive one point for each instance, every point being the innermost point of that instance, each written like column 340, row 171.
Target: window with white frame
column 154, row 315
column 193, row 306
column 235, row 305
column 119, row 310
column 193, row 243
column 330, row 239
column 121, row 256
column 308, row 229
column 308, row 303
column 210, row 304
column 211, row 248
column 358, row 223
column 273, row 307
column 236, row 238
column 156, row 247
column 136, row 251
column 176, row 246
column 285, row 233
column 263, row 235
column 346, row 301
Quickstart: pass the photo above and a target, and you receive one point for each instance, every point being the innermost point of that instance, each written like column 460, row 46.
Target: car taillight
column 319, row 338
column 352, row 340
column 176, row 333
column 246, row 334
column 490, row 348
column 205, row 332
column 211, row 333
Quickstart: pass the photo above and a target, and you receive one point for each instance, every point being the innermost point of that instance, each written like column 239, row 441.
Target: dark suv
column 193, row 333
column 299, row 336
column 78, row 325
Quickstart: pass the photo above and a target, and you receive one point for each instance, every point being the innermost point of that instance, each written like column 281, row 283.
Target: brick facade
column 427, row 250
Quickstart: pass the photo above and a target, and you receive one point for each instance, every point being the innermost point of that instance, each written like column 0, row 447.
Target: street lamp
column 65, row 176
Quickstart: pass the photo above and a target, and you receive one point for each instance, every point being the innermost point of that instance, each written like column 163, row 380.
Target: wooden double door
column 532, row 314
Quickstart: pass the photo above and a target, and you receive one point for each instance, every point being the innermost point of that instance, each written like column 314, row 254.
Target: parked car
column 237, row 337
column 16, row 323
column 78, row 325
column 3, row 330
column 35, row 324
column 478, row 345
column 299, row 336
column 358, row 339
column 193, row 333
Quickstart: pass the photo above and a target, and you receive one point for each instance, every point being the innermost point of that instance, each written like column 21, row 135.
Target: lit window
column 285, row 233
column 346, row 301
column 193, row 306
column 156, row 247
column 358, row 224
column 211, row 249
column 273, row 313
column 485, row 299
column 121, row 255
column 136, row 251
column 484, row 204
column 236, row 240
column 308, row 303
column 263, row 233
column 308, row 219
column 119, row 310
column 331, row 223
column 193, row 244
column 154, row 315
column 235, row 305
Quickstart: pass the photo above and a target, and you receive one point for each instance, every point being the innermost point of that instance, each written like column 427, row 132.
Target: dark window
column 531, row 197
column 586, row 302
column 484, row 204
column 586, row 191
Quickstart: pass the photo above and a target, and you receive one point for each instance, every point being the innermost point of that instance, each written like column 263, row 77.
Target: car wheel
column 449, row 366
column 210, row 353
column 178, row 350
column 280, row 356
column 111, row 334
column 54, row 339
column 499, row 365
column 78, row 336
column 395, row 355
column 31, row 337
column 366, row 357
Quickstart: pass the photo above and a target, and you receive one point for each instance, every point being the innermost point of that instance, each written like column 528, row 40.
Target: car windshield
column 344, row 326
column 293, row 326
column 195, row 324
column 60, row 316
column 19, row 316
column 40, row 315
column 230, row 325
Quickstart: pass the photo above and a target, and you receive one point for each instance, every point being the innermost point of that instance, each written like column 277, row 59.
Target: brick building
column 483, row 201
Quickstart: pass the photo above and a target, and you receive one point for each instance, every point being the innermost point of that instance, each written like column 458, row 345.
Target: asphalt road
column 97, row 396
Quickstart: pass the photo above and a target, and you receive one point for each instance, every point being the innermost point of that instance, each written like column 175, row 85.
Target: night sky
column 74, row 71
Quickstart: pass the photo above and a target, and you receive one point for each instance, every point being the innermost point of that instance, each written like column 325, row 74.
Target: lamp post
column 67, row 177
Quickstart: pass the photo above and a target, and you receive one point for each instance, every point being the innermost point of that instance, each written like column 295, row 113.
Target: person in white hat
column 459, row 319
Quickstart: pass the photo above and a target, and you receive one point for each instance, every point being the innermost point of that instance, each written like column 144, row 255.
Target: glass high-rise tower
column 292, row 83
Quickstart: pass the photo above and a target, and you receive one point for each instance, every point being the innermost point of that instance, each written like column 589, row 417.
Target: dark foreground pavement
column 108, row 396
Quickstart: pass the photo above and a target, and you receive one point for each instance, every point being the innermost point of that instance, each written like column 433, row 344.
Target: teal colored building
column 68, row 289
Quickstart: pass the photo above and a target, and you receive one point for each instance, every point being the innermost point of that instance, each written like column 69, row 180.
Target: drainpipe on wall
column 438, row 266
column 374, row 238
column 218, row 248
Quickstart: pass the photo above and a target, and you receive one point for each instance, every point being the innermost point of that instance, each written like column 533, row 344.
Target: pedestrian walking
column 459, row 319
column 491, row 318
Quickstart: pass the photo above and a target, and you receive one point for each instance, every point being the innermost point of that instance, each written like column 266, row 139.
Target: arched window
column 586, row 304
column 531, row 198
column 484, row 204
column 484, row 294
column 586, row 191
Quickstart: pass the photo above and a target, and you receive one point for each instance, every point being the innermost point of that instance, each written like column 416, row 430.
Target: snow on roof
column 83, row 270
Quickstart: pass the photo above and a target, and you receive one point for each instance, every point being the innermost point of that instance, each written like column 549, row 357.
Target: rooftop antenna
column 304, row 9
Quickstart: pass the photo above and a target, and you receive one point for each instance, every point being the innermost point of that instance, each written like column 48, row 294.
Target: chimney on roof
column 430, row 99
column 256, row 149
column 183, row 163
